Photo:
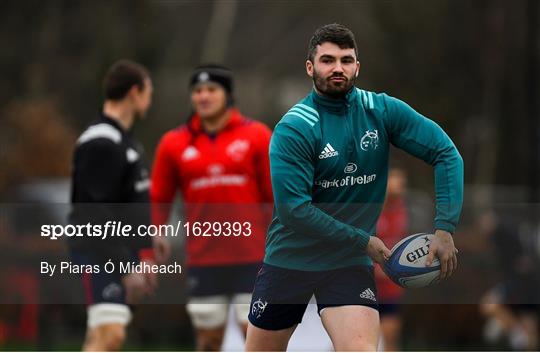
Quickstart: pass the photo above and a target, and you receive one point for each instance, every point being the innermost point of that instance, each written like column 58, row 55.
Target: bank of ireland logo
column 350, row 168
column 257, row 309
column 370, row 140
column 215, row 169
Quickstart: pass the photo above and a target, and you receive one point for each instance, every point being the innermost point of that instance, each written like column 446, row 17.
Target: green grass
column 76, row 346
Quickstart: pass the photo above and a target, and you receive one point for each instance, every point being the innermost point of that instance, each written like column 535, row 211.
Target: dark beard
column 330, row 89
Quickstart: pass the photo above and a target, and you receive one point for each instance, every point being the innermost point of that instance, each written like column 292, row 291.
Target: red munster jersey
column 223, row 178
column 391, row 228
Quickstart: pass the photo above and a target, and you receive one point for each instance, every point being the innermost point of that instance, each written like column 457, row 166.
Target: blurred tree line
column 469, row 65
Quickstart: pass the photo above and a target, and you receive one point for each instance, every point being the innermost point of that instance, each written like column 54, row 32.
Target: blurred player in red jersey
column 391, row 228
column 219, row 162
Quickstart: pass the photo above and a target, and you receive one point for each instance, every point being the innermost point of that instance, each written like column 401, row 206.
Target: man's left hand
column 443, row 247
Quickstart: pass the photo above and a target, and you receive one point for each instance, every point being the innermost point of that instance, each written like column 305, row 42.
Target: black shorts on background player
column 99, row 287
column 221, row 280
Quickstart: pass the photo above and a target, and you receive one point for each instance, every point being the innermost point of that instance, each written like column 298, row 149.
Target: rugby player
column 329, row 166
column 110, row 183
column 219, row 162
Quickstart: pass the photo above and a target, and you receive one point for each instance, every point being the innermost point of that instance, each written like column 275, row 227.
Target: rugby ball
column 407, row 263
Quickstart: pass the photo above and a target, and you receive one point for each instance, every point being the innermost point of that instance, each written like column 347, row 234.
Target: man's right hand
column 162, row 249
column 377, row 250
column 137, row 287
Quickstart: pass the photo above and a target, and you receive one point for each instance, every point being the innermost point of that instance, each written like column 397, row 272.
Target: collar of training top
column 112, row 121
column 235, row 119
column 336, row 104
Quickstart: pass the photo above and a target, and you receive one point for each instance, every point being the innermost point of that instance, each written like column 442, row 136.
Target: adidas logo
column 328, row 152
column 190, row 153
column 368, row 294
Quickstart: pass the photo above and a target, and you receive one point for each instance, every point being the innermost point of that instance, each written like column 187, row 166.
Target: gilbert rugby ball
column 407, row 263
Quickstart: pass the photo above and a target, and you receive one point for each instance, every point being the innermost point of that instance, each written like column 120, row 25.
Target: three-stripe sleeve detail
column 367, row 98
column 306, row 113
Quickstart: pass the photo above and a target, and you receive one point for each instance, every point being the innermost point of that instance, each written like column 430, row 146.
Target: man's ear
column 134, row 92
column 357, row 69
column 309, row 68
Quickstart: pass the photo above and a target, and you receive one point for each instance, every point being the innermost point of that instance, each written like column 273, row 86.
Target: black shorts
column 281, row 295
column 221, row 280
column 99, row 287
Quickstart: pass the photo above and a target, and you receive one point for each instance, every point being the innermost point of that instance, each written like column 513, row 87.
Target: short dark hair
column 333, row 33
column 121, row 76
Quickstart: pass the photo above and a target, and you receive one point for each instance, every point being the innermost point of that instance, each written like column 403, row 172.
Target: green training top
column 329, row 167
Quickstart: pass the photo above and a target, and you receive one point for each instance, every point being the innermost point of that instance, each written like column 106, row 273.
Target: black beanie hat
column 213, row 73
